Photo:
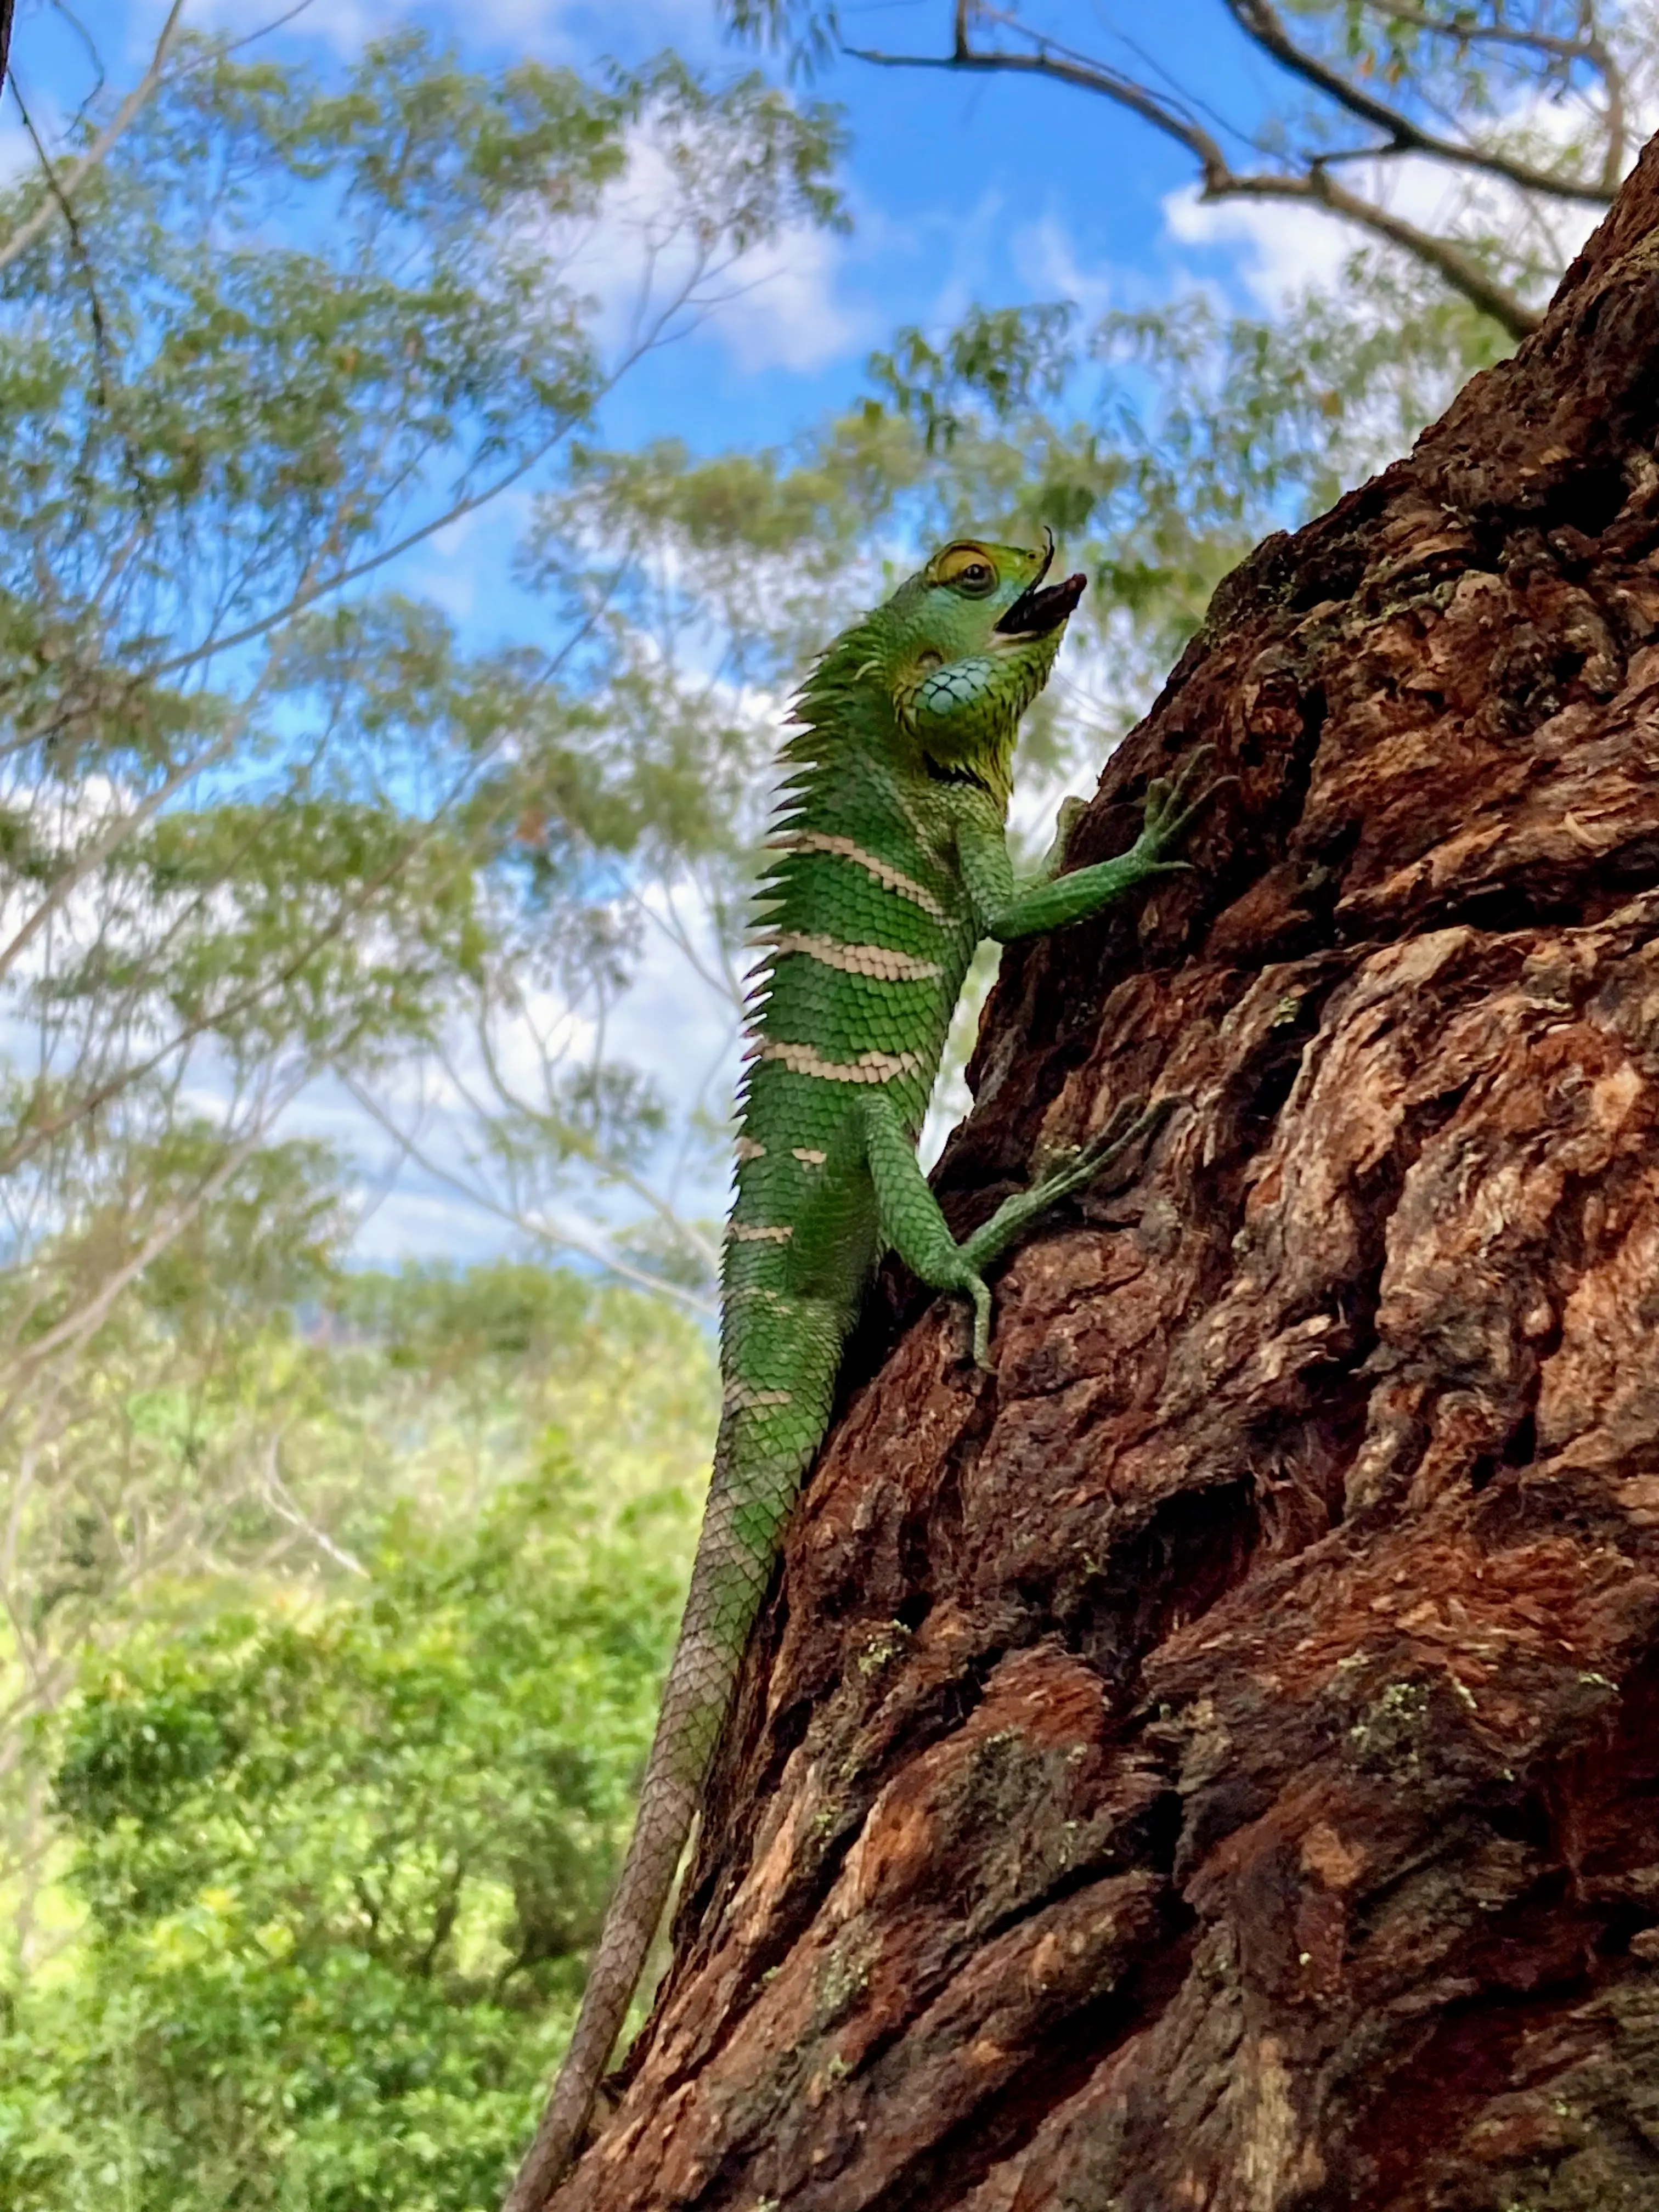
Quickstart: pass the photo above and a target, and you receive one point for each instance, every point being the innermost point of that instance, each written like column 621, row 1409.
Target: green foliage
column 1160, row 445
column 1010, row 358
column 435, row 1385
column 1526, row 111
column 252, row 831
column 335, row 1854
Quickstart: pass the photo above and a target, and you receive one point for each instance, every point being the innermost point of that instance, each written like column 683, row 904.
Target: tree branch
column 1454, row 263
column 565, row 1133
column 1459, row 267
column 1261, row 24
column 63, row 187
column 277, row 1496
column 77, row 1326
column 1067, row 68
column 1491, row 34
column 556, row 1233
column 119, row 832
column 31, row 1135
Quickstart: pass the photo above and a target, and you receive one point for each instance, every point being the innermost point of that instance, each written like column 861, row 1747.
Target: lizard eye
column 966, row 569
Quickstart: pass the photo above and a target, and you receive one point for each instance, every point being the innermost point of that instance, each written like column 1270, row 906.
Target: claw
column 1130, row 1120
column 1125, row 1111
column 980, row 1293
column 1169, row 810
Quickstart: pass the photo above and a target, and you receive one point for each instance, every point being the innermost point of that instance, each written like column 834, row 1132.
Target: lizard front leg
column 1007, row 912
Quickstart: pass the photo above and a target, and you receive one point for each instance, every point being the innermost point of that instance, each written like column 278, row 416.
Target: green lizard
column 889, row 865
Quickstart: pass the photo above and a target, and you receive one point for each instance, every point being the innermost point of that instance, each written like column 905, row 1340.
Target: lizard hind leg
column 911, row 1223
column 1132, row 1121
column 909, row 1218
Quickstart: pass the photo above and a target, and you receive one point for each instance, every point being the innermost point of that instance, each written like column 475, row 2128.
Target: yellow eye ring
column 966, row 568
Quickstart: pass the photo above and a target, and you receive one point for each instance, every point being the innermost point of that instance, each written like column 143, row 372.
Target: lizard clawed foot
column 1135, row 1119
column 1173, row 804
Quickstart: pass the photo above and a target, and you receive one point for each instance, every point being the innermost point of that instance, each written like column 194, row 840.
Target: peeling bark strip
column 1213, row 1766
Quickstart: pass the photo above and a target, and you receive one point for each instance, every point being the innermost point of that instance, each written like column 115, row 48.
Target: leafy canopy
column 334, row 1856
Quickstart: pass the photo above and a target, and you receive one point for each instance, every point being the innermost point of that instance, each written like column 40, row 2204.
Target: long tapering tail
column 667, row 1804
column 766, row 1442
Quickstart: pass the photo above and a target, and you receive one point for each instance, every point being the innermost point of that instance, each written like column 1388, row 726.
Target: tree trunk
column 1215, row 1762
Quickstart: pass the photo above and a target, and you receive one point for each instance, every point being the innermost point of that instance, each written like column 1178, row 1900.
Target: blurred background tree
column 335, row 1600
column 323, row 1850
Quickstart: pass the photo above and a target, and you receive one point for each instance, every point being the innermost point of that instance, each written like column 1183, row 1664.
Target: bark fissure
column 1063, row 2056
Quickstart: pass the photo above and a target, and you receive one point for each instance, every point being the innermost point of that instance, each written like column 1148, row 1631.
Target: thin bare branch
column 308, row 594
column 63, row 187
column 1459, row 267
column 77, row 1327
column 83, row 260
column 120, row 831
column 565, row 1133
column 1467, row 33
column 1261, row 25
column 1616, row 122
column 31, row 1135
column 280, row 1499
column 1174, row 119
column 575, row 1236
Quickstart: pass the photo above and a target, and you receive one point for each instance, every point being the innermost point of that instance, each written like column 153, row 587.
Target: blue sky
column 988, row 189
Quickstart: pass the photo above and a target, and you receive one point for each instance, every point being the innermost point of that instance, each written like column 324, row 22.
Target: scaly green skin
column 891, row 863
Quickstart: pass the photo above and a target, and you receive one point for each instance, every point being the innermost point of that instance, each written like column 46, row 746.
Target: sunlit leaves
column 1010, row 359
column 340, row 1859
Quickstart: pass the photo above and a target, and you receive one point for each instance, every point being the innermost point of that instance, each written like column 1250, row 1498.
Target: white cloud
column 17, row 154
column 1283, row 248
column 779, row 305
column 784, row 313
column 641, row 260
column 408, row 1223
column 1045, row 259
column 960, row 242
column 466, row 568
column 672, row 1024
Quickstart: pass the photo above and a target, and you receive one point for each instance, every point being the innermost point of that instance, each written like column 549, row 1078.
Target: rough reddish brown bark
column 1215, row 1762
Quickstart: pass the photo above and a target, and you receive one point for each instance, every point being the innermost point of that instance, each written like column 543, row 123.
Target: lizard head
column 972, row 637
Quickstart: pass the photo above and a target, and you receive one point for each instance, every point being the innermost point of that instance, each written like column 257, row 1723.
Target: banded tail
column 768, row 1432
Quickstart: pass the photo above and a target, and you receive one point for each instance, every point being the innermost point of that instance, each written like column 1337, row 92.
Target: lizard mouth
column 1040, row 608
